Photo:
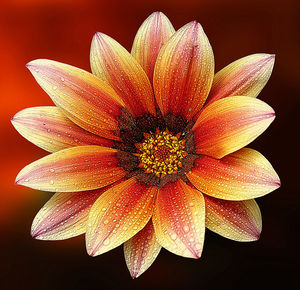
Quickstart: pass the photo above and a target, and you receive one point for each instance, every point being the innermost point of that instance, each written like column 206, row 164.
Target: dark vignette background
column 62, row 30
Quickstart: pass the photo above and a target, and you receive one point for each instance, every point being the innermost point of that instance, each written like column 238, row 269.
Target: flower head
column 148, row 149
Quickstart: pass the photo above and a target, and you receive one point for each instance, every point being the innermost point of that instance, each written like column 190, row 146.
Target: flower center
column 161, row 153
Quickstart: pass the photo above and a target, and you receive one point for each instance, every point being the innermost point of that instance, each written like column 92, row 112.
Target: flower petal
column 151, row 36
column 119, row 214
column 235, row 220
column 73, row 169
column 230, row 124
column 112, row 63
column 244, row 77
column 48, row 128
column 241, row 175
column 184, row 72
column 65, row 215
column 85, row 99
column 141, row 250
column 179, row 219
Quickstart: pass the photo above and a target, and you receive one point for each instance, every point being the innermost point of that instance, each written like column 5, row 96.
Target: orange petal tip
column 35, row 234
column 277, row 182
column 267, row 55
column 90, row 252
column 15, row 119
column 256, row 236
column 18, row 180
column 31, row 64
column 99, row 36
column 12, row 120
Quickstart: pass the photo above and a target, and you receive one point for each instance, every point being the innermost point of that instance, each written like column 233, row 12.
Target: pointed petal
column 141, row 250
column 151, row 36
column 48, row 128
column 65, row 215
column 73, row 169
column 86, row 100
column 119, row 214
column 235, row 220
column 179, row 219
column 241, row 175
column 244, row 77
column 230, row 124
column 112, row 63
column 184, row 72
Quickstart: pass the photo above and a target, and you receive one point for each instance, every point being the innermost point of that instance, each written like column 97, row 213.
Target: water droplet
column 106, row 242
column 186, row 228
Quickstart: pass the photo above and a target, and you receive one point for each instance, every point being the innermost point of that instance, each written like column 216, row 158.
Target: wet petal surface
column 113, row 64
column 235, row 220
column 241, row 175
column 86, row 100
column 179, row 219
column 65, row 215
column 50, row 129
column 141, row 250
column 230, row 124
column 119, row 214
column 246, row 76
column 73, row 169
column 184, row 72
column 151, row 36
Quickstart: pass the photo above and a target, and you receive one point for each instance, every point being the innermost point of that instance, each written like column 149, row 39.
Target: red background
column 62, row 30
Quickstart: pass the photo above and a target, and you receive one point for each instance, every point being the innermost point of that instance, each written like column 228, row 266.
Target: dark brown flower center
column 157, row 150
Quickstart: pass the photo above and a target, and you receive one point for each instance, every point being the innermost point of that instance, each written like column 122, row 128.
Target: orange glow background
column 62, row 30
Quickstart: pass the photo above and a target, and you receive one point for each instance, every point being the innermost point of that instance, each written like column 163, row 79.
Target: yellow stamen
column 161, row 153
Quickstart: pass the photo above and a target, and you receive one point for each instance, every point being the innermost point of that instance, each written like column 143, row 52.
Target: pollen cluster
column 161, row 153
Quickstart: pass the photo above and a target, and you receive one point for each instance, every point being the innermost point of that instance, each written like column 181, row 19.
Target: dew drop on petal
column 106, row 242
column 186, row 228
column 173, row 236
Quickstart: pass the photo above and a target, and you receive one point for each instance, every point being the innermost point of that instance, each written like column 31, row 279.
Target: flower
column 148, row 150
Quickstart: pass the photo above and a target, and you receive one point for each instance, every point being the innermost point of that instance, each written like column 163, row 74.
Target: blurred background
column 62, row 30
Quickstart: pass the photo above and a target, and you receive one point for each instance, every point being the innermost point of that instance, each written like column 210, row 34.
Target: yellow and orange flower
column 148, row 150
